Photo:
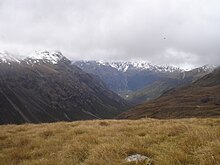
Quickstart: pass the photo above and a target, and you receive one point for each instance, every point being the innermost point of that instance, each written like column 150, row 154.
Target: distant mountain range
column 46, row 87
column 138, row 82
column 200, row 99
column 140, row 66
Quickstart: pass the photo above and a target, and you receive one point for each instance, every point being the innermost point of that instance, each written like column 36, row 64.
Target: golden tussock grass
column 109, row 142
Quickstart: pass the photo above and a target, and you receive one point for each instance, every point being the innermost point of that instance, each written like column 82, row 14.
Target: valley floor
column 109, row 142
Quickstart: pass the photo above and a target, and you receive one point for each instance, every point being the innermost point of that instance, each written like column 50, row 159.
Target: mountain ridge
column 52, row 89
column 140, row 65
column 33, row 58
column 131, row 79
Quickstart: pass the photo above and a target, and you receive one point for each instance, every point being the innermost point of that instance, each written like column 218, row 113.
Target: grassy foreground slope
column 109, row 142
column 200, row 100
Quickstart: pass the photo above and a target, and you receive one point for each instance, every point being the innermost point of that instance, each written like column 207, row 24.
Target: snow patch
column 46, row 56
column 143, row 65
column 5, row 57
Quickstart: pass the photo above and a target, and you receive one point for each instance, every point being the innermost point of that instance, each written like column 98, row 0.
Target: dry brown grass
column 109, row 142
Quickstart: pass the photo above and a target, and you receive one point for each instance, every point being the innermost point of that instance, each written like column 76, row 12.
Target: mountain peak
column 6, row 57
column 45, row 56
column 51, row 57
column 208, row 68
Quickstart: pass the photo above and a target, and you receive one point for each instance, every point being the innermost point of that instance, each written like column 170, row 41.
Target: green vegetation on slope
column 109, row 142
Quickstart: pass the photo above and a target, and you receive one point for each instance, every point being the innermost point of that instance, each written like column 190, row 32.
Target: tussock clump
column 103, row 123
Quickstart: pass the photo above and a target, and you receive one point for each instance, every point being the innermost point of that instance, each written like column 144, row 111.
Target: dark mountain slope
column 127, row 76
column 41, row 91
column 201, row 99
column 114, row 79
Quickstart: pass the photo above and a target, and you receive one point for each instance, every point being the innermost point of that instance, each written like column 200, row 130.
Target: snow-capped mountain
column 36, row 57
column 206, row 68
column 142, row 65
column 45, row 87
column 44, row 56
column 7, row 58
column 123, row 77
column 137, row 65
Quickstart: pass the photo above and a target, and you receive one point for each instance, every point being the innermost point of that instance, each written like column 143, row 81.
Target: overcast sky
column 172, row 32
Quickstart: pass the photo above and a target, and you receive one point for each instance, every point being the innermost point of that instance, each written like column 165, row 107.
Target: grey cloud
column 184, row 32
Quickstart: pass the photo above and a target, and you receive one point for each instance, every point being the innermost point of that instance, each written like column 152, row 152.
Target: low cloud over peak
column 182, row 33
